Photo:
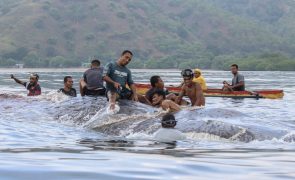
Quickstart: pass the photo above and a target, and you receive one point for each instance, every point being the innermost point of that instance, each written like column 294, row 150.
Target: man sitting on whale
column 92, row 84
column 117, row 75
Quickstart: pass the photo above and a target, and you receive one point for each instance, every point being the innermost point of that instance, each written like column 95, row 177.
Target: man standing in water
column 238, row 81
column 33, row 86
column 68, row 87
column 191, row 89
column 117, row 75
column 92, row 83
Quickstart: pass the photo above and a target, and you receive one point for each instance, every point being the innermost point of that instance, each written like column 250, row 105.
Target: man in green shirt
column 117, row 75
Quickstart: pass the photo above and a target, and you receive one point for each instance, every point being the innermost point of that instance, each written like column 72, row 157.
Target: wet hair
column 66, row 78
column 168, row 121
column 159, row 93
column 35, row 75
column 126, row 51
column 154, row 80
column 95, row 62
column 235, row 65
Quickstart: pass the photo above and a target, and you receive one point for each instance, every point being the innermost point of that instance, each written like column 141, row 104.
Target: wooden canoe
column 270, row 94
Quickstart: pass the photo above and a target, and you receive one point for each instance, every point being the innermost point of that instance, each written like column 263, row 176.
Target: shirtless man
column 191, row 89
column 159, row 100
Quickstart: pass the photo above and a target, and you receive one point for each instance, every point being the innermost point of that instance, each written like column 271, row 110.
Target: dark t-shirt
column 151, row 91
column 93, row 78
column 34, row 90
column 72, row 92
column 119, row 74
column 237, row 79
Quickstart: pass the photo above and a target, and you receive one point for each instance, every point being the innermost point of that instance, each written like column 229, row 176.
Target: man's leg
column 112, row 99
column 226, row 88
column 82, row 85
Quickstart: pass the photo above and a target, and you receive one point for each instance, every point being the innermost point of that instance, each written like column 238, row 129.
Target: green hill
column 259, row 35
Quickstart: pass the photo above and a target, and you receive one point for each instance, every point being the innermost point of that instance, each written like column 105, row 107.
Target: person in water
column 92, row 82
column 117, row 75
column 68, row 87
column 158, row 84
column 159, row 100
column 198, row 78
column 32, row 86
column 191, row 89
column 168, row 133
column 238, row 81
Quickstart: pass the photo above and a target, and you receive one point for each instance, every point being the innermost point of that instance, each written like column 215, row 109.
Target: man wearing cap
column 198, row 78
column 92, row 84
column 168, row 133
column 32, row 86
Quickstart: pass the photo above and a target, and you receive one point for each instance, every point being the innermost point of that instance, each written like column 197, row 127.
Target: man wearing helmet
column 168, row 133
column 33, row 86
column 191, row 89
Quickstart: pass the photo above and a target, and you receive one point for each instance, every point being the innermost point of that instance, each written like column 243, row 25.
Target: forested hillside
column 211, row 34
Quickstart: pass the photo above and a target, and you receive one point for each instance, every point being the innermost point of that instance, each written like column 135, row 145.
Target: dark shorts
column 96, row 92
column 123, row 94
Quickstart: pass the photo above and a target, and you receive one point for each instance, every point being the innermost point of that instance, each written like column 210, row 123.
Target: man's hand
column 117, row 85
column 178, row 100
column 11, row 76
column 225, row 83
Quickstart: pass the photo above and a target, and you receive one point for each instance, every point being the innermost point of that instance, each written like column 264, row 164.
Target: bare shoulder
column 197, row 86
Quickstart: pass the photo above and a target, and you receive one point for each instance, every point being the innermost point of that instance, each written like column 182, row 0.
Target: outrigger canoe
column 270, row 94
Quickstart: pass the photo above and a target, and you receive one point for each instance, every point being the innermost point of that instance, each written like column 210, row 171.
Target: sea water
column 53, row 136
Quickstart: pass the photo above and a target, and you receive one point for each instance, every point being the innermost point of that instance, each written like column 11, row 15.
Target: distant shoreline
column 13, row 70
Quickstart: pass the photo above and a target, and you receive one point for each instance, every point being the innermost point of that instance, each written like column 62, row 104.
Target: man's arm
column 17, row 80
column 109, row 80
column 168, row 104
column 106, row 78
column 199, row 95
column 134, row 95
column 241, row 83
column 181, row 94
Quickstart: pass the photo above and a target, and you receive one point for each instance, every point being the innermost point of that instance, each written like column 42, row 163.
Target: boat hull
column 270, row 94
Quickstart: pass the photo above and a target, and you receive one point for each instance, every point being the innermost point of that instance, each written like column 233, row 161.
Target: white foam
column 113, row 111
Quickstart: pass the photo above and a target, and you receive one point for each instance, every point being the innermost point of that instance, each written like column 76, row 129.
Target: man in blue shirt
column 117, row 75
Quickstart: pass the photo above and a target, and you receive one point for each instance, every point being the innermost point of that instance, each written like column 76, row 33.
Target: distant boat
column 270, row 94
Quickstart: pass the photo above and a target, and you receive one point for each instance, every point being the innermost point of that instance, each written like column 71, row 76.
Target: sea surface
column 56, row 137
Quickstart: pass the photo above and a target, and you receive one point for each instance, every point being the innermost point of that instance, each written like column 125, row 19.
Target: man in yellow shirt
column 199, row 79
